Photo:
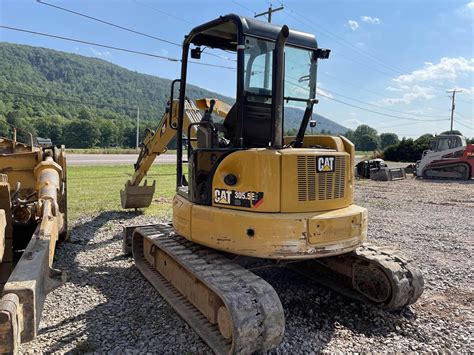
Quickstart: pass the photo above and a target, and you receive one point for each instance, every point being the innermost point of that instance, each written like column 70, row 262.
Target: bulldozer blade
column 137, row 196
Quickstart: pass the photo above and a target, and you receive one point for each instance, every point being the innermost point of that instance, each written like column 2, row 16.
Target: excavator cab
column 273, row 65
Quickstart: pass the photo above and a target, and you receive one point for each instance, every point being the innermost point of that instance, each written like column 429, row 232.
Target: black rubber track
column 255, row 309
column 406, row 280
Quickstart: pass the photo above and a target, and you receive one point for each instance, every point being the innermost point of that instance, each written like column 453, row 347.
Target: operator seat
column 257, row 119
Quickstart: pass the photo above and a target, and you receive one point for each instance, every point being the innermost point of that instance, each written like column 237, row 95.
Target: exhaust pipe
column 278, row 78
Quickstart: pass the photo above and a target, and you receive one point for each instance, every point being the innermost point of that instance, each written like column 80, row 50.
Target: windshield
column 299, row 65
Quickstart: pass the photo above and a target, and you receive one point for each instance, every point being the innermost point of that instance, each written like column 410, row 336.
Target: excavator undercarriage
column 236, row 311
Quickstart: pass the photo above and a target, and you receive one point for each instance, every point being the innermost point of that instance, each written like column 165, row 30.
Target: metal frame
column 182, row 92
column 258, row 29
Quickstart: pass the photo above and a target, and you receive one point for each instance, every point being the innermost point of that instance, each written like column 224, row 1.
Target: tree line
column 366, row 138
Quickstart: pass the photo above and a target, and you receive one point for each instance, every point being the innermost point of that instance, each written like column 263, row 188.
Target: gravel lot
column 107, row 306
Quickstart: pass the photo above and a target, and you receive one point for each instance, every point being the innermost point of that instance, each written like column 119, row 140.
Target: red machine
column 450, row 158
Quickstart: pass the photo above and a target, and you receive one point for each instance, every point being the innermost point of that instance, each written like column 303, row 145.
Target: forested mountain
column 83, row 102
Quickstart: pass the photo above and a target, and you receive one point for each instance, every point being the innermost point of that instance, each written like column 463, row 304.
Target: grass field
column 108, row 151
column 364, row 153
column 94, row 189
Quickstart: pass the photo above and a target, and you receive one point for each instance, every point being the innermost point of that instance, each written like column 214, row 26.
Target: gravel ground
column 107, row 306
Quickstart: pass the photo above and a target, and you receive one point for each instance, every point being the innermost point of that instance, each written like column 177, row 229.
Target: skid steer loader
column 449, row 158
column 33, row 216
column 253, row 196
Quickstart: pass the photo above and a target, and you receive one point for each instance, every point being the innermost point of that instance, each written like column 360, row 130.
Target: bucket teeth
column 137, row 196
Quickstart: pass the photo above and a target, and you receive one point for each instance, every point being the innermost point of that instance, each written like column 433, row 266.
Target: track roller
column 370, row 274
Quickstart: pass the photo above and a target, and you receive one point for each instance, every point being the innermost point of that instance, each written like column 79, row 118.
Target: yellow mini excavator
column 253, row 196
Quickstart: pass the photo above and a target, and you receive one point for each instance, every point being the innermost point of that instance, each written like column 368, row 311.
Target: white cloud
column 395, row 89
column 104, row 54
column 372, row 20
column 423, row 84
column 352, row 123
column 466, row 10
column 464, row 91
column 322, row 92
column 446, row 69
column 353, row 25
column 409, row 95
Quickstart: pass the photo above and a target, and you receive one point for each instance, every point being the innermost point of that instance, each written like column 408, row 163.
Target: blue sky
column 394, row 57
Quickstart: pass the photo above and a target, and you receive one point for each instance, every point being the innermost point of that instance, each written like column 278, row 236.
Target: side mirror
column 322, row 53
column 196, row 53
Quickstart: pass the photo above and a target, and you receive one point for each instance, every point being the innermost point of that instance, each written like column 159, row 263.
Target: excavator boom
column 154, row 144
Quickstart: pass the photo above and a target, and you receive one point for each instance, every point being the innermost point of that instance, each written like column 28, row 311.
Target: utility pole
column 268, row 13
column 454, row 91
column 138, row 126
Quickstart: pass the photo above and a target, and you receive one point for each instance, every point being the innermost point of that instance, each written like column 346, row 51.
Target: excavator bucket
column 137, row 196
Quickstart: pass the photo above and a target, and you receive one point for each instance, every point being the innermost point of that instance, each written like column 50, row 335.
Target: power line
column 164, row 12
column 462, row 115
column 122, row 27
column 65, row 100
column 343, row 41
column 371, row 91
column 464, row 125
column 346, row 43
column 109, row 23
column 399, row 125
column 361, row 108
column 171, row 59
column 372, row 111
column 340, row 55
column 243, row 7
column 383, row 108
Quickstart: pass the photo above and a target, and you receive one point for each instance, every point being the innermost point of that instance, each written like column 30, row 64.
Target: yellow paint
column 257, row 170
column 303, row 189
column 272, row 235
column 182, row 216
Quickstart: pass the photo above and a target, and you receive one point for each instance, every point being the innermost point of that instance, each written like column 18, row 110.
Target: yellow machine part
column 3, row 226
column 285, row 204
column 272, row 235
column 39, row 175
column 154, row 144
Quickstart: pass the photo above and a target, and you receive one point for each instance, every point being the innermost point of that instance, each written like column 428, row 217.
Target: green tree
column 388, row 139
column 364, row 137
column 81, row 134
column 408, row 150
column 51, row 127
column 368, row 143
column 453, row 132
column 85, row 114
column 424, row 142
column 109, row 132
column 4, row 128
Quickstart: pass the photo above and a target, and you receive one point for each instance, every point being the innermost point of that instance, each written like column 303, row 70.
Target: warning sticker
column 249, row 199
